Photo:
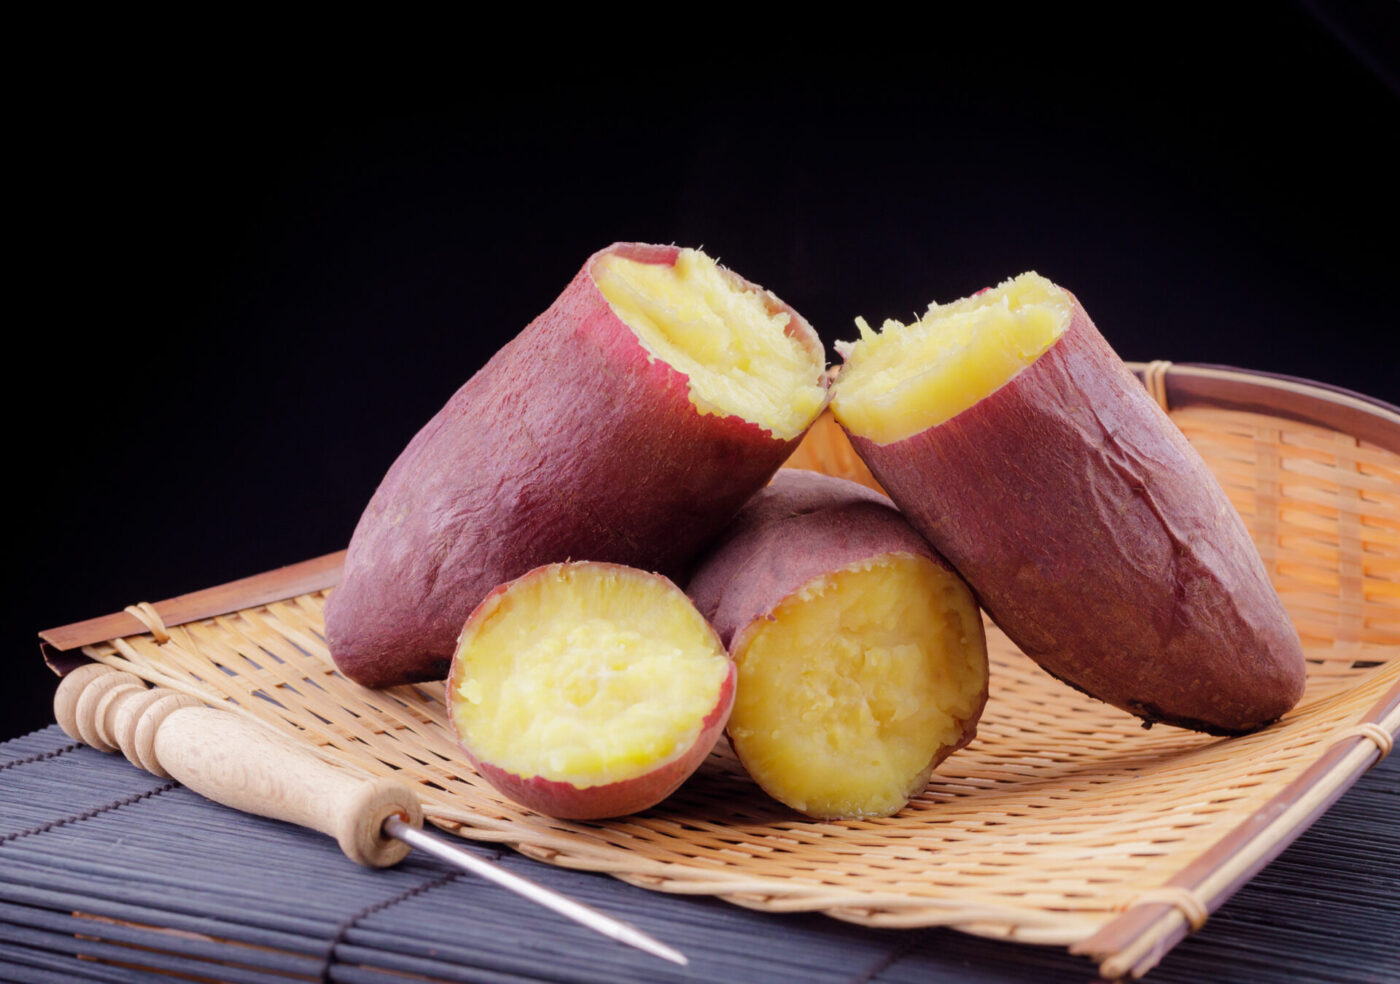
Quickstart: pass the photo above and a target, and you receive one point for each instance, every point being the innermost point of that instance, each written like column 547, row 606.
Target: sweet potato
column 1091, row 531
column 627, row 423
column 588, row 690
column 862, row 661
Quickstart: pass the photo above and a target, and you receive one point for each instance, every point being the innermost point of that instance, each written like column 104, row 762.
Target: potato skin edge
column 571, row 442
column 1097, row 538
column 801, row 526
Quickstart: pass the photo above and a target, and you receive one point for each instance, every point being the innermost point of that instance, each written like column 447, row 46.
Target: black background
column 253, row 275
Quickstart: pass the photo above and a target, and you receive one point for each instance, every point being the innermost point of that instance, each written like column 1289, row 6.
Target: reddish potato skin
column 1097, row 538
column 569, row 442
column 805, row 524
column 565, row 800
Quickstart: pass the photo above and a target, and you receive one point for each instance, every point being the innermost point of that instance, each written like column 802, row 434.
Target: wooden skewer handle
column 234, row 761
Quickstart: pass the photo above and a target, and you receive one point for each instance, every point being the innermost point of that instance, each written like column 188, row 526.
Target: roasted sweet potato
column 862, row 661
column 1012, row 436
column 588, row 690
column 627, row 423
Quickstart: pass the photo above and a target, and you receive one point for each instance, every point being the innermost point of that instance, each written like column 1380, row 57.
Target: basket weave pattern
column 1063, row 813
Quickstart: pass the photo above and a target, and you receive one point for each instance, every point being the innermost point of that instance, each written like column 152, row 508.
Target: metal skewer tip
column 585, row 915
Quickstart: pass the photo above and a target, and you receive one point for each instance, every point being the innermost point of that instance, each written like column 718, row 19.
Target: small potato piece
column 627, row 423
column 587, row 690
column 1012, row 436
column 862, row 662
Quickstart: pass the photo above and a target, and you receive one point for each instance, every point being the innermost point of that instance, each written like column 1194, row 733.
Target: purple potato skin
column 570, row 443
column 800, row 527
column 1097, row 538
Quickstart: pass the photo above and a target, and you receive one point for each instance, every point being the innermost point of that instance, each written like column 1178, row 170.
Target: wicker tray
column 1063, row 823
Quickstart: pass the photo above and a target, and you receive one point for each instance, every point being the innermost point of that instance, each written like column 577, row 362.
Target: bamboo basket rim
column 1127, row 945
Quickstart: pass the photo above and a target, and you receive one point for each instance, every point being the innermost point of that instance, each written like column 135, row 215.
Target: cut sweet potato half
column 588, row 690
column 861, row 657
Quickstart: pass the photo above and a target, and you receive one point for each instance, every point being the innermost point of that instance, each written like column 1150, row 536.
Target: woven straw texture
column 1063, row 813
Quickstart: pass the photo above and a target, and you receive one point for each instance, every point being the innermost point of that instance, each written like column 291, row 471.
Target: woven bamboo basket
column 1065, row 822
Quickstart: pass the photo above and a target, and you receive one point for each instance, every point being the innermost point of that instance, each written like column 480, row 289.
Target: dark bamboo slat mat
column 110, row 874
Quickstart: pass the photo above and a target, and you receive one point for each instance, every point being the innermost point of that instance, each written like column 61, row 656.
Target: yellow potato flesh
column 860, row 679
column 907, row 378
column 699, row 319
column 586, row 678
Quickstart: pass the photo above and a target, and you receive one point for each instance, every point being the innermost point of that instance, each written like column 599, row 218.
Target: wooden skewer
column 239, row 763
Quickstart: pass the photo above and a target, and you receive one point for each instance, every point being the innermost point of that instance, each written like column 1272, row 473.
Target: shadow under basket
column 1063, row 823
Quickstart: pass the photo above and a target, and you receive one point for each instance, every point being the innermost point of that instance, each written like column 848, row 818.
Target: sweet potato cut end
column 857, row 685
column 907, row 378
column 737, row 345
column 585, row 678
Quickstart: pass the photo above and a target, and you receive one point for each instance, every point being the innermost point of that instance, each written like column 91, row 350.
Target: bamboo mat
column 110, row 874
